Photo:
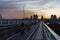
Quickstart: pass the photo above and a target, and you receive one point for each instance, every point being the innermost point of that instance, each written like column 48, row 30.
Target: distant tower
column 31, row 17
column 35, row 17
column 42, row 17
column 53, row 17
column 59, row 17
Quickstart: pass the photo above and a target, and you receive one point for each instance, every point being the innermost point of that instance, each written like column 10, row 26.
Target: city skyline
column 12, row 8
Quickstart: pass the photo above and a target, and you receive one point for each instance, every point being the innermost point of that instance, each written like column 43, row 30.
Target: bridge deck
column 20, row 36
column 36, row 33
column 39, row 35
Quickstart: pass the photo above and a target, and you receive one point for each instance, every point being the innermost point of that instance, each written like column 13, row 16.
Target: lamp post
column 24, row 9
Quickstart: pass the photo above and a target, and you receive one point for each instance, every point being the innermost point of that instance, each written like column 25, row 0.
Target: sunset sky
column 13, row 8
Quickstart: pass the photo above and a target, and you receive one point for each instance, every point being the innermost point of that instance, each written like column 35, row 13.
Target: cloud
column 36, row 5
column 17, row 4
column 53, row 3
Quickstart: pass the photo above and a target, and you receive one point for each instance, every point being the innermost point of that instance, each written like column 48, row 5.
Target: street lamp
column 24, row 9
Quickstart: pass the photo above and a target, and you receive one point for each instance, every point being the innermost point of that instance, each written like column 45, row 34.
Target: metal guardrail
column 8, row 31
column 8, row 26
column 30, row 36
column 50, row 34
column 26, row 38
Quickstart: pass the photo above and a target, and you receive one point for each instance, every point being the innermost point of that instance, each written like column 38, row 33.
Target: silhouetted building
column 59, row 17
column 26, row 18
column 35, row 17
column 53, row 17
column 42, row 17
column 31, row 17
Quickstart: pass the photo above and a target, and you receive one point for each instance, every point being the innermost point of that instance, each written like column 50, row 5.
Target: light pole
column 24, row 9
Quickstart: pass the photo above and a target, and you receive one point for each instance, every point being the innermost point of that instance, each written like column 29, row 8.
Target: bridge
column 39, row 31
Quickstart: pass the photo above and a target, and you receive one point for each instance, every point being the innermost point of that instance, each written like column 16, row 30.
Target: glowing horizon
column 11, row 8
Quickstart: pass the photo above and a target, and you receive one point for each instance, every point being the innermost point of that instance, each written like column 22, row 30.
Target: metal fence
column 49, row 33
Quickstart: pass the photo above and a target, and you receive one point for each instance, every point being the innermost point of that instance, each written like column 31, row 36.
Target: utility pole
column 24, row 9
